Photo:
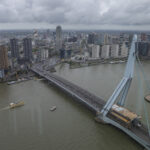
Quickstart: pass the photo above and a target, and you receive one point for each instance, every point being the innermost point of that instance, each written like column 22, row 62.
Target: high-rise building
column 27, row 48
column 121, row 37
column 114, row 50
column 149, row 50
column 105, row 51
column 148, row 37
column 14, row 48
column 4, row 64
column 143, row 48
column 95, row 51
column 143, row 37
column 124, row 50
column 58, row 38
column 42, row 54
column 92, row 38
column 107, row 39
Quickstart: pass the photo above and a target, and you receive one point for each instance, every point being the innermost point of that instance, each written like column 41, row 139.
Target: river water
column 71, row 126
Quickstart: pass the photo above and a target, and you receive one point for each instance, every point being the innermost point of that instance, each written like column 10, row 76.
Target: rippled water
column 71, row 126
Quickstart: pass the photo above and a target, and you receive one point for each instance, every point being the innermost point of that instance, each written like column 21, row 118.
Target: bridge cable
column 139, row 64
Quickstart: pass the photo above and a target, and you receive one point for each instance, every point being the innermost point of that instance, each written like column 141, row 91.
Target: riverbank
column 79, row 64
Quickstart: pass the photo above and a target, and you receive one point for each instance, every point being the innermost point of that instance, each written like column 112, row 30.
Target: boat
column 112, row 62
column 18, row 81
column 122, row 61
column 11, row 82
column 147, row 98
column 53, row 108
column 17, row 104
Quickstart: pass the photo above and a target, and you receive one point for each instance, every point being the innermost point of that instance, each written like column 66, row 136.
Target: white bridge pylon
column 124, row 85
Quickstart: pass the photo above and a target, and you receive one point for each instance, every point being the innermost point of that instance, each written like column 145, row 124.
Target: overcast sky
column 109, row 14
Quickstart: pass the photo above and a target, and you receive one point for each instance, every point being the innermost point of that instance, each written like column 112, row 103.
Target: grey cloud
column 119, row 12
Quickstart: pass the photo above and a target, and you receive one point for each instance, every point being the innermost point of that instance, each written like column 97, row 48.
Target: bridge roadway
column 91, row 101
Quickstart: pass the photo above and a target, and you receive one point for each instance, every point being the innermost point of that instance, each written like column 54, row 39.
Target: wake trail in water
column 5, row 108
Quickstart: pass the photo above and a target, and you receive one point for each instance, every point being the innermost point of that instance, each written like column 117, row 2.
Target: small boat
column 147, row 98
column 17, row 104
column 112, row 62
column 53, row 108
column 17, row 81
column 11, row 82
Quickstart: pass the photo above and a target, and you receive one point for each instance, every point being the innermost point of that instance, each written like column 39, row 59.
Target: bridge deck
column 94, row 103
column 90, row 100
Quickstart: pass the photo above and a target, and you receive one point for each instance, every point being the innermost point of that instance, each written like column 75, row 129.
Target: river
column 71, row 126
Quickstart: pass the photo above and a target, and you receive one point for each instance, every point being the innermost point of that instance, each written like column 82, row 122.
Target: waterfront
column 71, row 126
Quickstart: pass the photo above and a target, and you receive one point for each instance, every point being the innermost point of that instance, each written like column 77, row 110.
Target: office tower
column 58, row 38
column 62, row 53
column 95, row 51
column 143, row 37
column 114, row 50
column 4, row 64
column 143, row 48
column 106, row 39
column 14, row 48
column 27, row 48
column 92, row 38
column 105, row 51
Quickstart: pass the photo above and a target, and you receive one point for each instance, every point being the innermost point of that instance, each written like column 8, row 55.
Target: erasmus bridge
column 105, row 111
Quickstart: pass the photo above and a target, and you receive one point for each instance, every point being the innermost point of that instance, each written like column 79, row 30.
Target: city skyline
column 104, row 14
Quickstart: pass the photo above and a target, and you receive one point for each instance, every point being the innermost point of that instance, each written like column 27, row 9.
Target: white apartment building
column 124, row 50
column 43, row 54
column 105, row 51
column 114, row 50
column 95, row 51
